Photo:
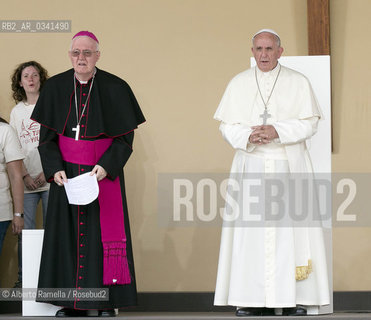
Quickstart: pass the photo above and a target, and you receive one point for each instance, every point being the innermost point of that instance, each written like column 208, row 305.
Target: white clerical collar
column 271, row 73
column 85, row 82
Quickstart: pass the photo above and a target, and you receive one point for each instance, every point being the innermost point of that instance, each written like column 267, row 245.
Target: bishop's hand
column 60, row 178
column 99, row 171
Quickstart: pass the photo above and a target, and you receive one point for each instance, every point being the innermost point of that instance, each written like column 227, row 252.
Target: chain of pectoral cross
column 265, row 115
column 77, row 128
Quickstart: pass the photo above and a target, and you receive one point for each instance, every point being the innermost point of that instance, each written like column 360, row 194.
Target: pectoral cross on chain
column 265, row 116
column 77, row 129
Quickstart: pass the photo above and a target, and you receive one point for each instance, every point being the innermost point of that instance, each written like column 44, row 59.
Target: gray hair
column 97, row 48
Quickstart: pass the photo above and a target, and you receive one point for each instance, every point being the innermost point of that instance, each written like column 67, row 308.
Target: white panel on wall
column 318, row 70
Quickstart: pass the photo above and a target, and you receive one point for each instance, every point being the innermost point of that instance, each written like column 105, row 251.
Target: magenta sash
column 115, row 263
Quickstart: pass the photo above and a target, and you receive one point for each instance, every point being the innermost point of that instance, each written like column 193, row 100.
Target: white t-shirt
column 10, row 150
column 28, row 132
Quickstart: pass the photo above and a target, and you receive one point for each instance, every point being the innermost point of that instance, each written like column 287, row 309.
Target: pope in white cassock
column 267, row 113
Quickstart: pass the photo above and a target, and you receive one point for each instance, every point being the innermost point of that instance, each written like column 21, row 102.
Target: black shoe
column 254, row 312
column 297, row 311
column 18, row 284
column 268, row 312
column 249, row 312
column 67, row 312
column 107, row 313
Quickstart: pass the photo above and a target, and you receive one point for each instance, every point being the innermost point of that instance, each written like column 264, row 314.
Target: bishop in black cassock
column 101, row 107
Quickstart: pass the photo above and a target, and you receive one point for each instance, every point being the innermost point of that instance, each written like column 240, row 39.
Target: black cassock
column 72, row 255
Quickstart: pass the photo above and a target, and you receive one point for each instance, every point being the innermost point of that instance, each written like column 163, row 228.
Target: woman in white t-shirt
column 11, row 156
column 27, row 81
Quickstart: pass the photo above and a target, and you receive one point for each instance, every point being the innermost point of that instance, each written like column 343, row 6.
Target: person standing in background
column 27, row 81
column 11, row 185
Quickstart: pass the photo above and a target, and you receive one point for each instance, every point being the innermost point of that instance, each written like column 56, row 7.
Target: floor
column 200, row 316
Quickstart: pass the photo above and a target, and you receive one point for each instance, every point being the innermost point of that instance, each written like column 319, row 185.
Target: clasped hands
column 60, row 177
column 263, row 134
column 33, row 184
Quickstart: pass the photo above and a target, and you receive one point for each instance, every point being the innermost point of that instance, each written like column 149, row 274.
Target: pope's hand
column 263, row 134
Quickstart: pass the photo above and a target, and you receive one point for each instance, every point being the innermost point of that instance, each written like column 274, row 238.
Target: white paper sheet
column 82, row 189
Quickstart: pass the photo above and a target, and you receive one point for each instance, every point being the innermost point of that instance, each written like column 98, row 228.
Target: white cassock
column 258, row 266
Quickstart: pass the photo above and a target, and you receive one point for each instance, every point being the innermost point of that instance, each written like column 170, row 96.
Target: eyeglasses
column 85, row 53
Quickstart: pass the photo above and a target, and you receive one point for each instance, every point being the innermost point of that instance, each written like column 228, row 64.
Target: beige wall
column 178, row 56
column 352, row 119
